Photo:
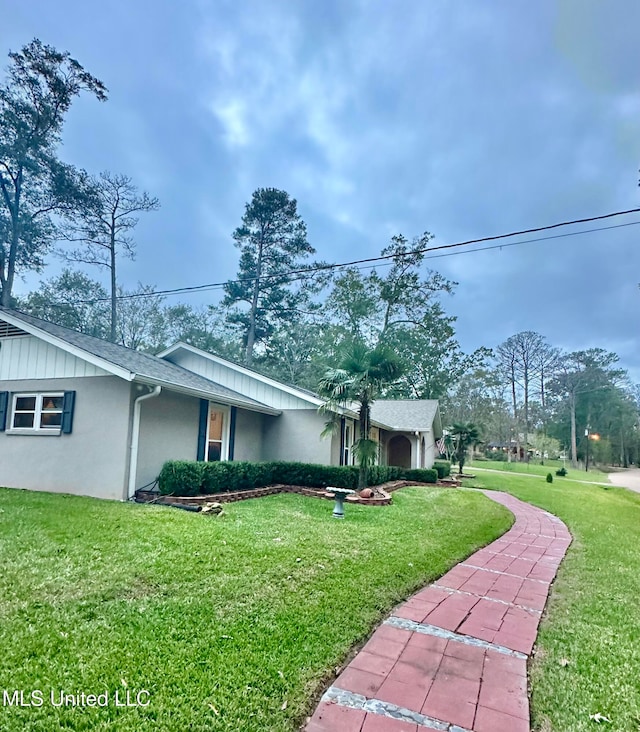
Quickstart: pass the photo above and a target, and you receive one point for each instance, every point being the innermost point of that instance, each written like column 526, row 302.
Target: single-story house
column 81, row 415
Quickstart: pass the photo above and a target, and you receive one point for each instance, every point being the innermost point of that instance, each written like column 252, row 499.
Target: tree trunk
column 526, row 415
column 7, row 286
column 364, row 434
column 515, row 413
column 251, row 333
column 112, row 267
column 574, row 446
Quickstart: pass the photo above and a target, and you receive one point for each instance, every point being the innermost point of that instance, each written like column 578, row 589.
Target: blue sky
column 464, row 119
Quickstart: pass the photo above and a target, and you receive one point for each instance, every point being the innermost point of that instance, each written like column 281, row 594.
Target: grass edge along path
column 588, row 648
column 230, row 623
column 592, row 476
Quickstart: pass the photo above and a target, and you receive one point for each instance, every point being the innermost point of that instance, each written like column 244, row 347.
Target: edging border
column 383, row 499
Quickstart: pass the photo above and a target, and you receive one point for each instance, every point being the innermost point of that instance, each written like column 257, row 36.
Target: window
column 37, row 412
column 348, row 444
column 217, row 442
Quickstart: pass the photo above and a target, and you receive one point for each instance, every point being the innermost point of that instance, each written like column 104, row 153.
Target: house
column 85, row 416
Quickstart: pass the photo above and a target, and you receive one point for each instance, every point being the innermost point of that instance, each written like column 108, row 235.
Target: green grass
column 593, row 617
column 231, row 623
column 550, row 466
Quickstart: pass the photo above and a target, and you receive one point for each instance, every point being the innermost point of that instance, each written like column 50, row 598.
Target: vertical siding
column 242, row 383
column 28, row 357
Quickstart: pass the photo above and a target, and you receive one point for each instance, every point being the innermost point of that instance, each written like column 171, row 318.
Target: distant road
column 627, row 479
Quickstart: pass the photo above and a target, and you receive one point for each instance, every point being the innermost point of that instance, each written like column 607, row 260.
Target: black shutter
column 4, row 406
column 202, row 428
column 342, row 429
column 68, row 404
column 232, row 432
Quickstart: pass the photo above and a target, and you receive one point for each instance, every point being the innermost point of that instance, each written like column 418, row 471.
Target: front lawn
column 230, row 623
column 588, row 659
column 534, row 468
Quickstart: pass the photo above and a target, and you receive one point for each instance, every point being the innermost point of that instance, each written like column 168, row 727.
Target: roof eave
column 202, row 394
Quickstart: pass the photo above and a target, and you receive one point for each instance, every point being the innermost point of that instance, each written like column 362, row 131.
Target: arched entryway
column 399, row 451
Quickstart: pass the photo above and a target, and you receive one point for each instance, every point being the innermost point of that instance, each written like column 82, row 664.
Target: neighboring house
column 85, row 416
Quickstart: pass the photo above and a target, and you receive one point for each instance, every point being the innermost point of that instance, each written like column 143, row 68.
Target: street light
column 590, row 436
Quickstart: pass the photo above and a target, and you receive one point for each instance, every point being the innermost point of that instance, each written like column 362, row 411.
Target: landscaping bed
column 381, row 494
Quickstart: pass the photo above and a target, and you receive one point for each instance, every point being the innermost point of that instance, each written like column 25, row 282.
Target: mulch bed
column 381, row 494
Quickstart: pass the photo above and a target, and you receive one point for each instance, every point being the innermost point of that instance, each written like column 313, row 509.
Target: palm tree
column 359, row 379
column 464, row 434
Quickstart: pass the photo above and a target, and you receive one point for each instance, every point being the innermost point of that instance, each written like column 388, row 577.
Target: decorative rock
column 212, row 508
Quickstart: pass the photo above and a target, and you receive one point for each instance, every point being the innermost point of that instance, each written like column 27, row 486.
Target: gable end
column 10, row 331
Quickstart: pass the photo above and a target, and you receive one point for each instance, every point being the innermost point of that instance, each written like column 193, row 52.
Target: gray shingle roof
column 143, row 365
column 406, row 414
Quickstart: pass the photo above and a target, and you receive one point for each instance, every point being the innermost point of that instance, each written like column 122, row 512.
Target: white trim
column 292, row 390
column 226, row 431
column 135, row 439
column 230, row 401
column 37, row 428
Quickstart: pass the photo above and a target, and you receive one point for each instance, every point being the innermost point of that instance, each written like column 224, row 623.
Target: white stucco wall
column 168, row 431
column 249, row 436
column 295, row 435
column 92, row 460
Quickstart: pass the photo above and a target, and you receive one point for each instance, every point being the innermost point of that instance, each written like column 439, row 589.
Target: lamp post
column 590, row 436
column 586, row 462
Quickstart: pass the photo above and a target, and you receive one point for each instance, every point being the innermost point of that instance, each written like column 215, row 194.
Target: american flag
column 440, row 445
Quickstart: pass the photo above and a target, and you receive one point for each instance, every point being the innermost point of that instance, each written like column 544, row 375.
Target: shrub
column 422, row 475
column 549, row 478
column 382, row 473
column 223, row 477
column 181, row 478
column 443, row 467
column 562, row 472
column 186, row 478
column 314, row 476
column 499, row 455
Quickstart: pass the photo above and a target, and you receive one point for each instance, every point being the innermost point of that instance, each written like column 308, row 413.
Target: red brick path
column 432, row 669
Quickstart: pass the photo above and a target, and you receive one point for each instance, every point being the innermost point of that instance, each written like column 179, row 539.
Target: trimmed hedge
column 443, row 467
column 182, row 477
column 422, row 475
column 185, row 478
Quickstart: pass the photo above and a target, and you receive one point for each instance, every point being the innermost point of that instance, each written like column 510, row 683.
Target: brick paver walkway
column 454, row 656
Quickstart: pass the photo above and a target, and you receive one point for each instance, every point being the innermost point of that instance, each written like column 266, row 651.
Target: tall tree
column 273, row 242
column 76, row 301
column 583, row 378
column 104, row 228
column 522, row 358
column 401, row 309
column 34, row 185
column 360, row 378
column 72, row 300
column 479, row 397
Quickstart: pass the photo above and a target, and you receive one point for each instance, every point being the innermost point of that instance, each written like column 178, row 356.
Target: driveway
column 627, row 479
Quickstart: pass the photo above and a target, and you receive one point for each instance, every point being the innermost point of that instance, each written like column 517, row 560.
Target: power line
column 305, row 273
